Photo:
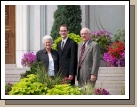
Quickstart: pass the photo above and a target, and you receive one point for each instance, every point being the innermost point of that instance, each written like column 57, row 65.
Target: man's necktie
column 82, row 53
column 62, row 45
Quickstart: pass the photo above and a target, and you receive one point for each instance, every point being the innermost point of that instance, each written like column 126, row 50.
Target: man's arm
column 96, row 59
column 73, row 60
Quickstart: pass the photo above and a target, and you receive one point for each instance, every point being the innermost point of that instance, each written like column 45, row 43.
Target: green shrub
column 72, row 36
column 103, row 38
column 36, row 67
column 71, row 15
column 123, row 90
column 51, row 82
column 42, row 75
column 64, row 89
column 8, row 88
column 119, row 35
column 87, row 89
column 28, row 86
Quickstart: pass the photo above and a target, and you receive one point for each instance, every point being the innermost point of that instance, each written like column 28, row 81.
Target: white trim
column 21, row 32
column 36, row 25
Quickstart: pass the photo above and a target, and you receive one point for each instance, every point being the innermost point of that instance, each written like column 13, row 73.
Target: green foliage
column 69, row 15
column 64, row 89
column 72, row 36
column 36, row 67
column 42, row 75
column 123, row 90
column 103, row 39
column 51, row 82
column 119, row 35
column 8, row 88
column 28, row 86
column 87, row 89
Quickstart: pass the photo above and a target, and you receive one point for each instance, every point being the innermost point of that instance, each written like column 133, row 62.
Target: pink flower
column 28, row 58
column 70, row 78
column 100, row 91
column 65, row 78
column 63, row 82
column 6, row 93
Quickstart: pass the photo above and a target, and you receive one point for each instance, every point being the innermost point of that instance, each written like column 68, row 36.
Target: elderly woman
column 48, row 56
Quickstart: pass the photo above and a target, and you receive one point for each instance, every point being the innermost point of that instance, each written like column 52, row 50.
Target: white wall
column 107, row 17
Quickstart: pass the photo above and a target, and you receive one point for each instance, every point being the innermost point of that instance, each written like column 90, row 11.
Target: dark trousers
column 52, row 77
column 73, row 81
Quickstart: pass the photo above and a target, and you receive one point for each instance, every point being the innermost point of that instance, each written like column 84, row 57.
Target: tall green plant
column 87, row 89
column 43, row 77
column 71, row 15
column 33, row 69
column 123, row 90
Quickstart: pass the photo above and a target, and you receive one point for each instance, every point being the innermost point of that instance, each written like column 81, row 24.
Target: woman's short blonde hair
column 47, row 37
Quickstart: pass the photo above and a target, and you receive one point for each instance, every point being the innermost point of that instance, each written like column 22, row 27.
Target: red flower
column 116, row 49
column 66, row 80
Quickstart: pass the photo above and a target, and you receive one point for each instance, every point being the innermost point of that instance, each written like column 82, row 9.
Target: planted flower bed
column 36, row 82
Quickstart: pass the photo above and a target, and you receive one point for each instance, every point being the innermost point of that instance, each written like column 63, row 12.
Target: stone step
column 113, row 70
column 12, row 78
column 109, row 85
column 110, row 82
column 122, row 78
column 111, row 74
column 10, row 65
column 15, row 72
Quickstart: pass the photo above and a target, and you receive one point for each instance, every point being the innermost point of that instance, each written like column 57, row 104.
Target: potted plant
column 115, row 55
column 103, row 38
column 28, row 59
column 101, row 91
column 8, row 88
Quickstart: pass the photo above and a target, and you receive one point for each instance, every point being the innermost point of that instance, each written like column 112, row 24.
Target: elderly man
column 88, row 59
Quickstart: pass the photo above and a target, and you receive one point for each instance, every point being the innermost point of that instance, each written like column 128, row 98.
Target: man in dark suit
column 88, row 59
column 67, row 49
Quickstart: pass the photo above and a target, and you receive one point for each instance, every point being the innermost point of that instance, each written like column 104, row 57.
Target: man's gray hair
column 47, row 37
column 87, row 29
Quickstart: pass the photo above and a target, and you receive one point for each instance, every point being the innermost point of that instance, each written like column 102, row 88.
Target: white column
column 21, row 32
column 35, row 40
column 42, row 24
column 50, row 9
column 36, row 28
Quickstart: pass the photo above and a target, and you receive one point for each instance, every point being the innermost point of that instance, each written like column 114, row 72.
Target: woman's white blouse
column 51, row 65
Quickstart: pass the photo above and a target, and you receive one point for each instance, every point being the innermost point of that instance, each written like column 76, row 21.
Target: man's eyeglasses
column 63, row 30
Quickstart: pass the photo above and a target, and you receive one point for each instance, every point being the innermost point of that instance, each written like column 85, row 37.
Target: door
column 9, row 34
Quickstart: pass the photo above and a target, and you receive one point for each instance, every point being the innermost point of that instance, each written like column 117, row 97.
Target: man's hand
column 92, row 78
column 70, row 77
